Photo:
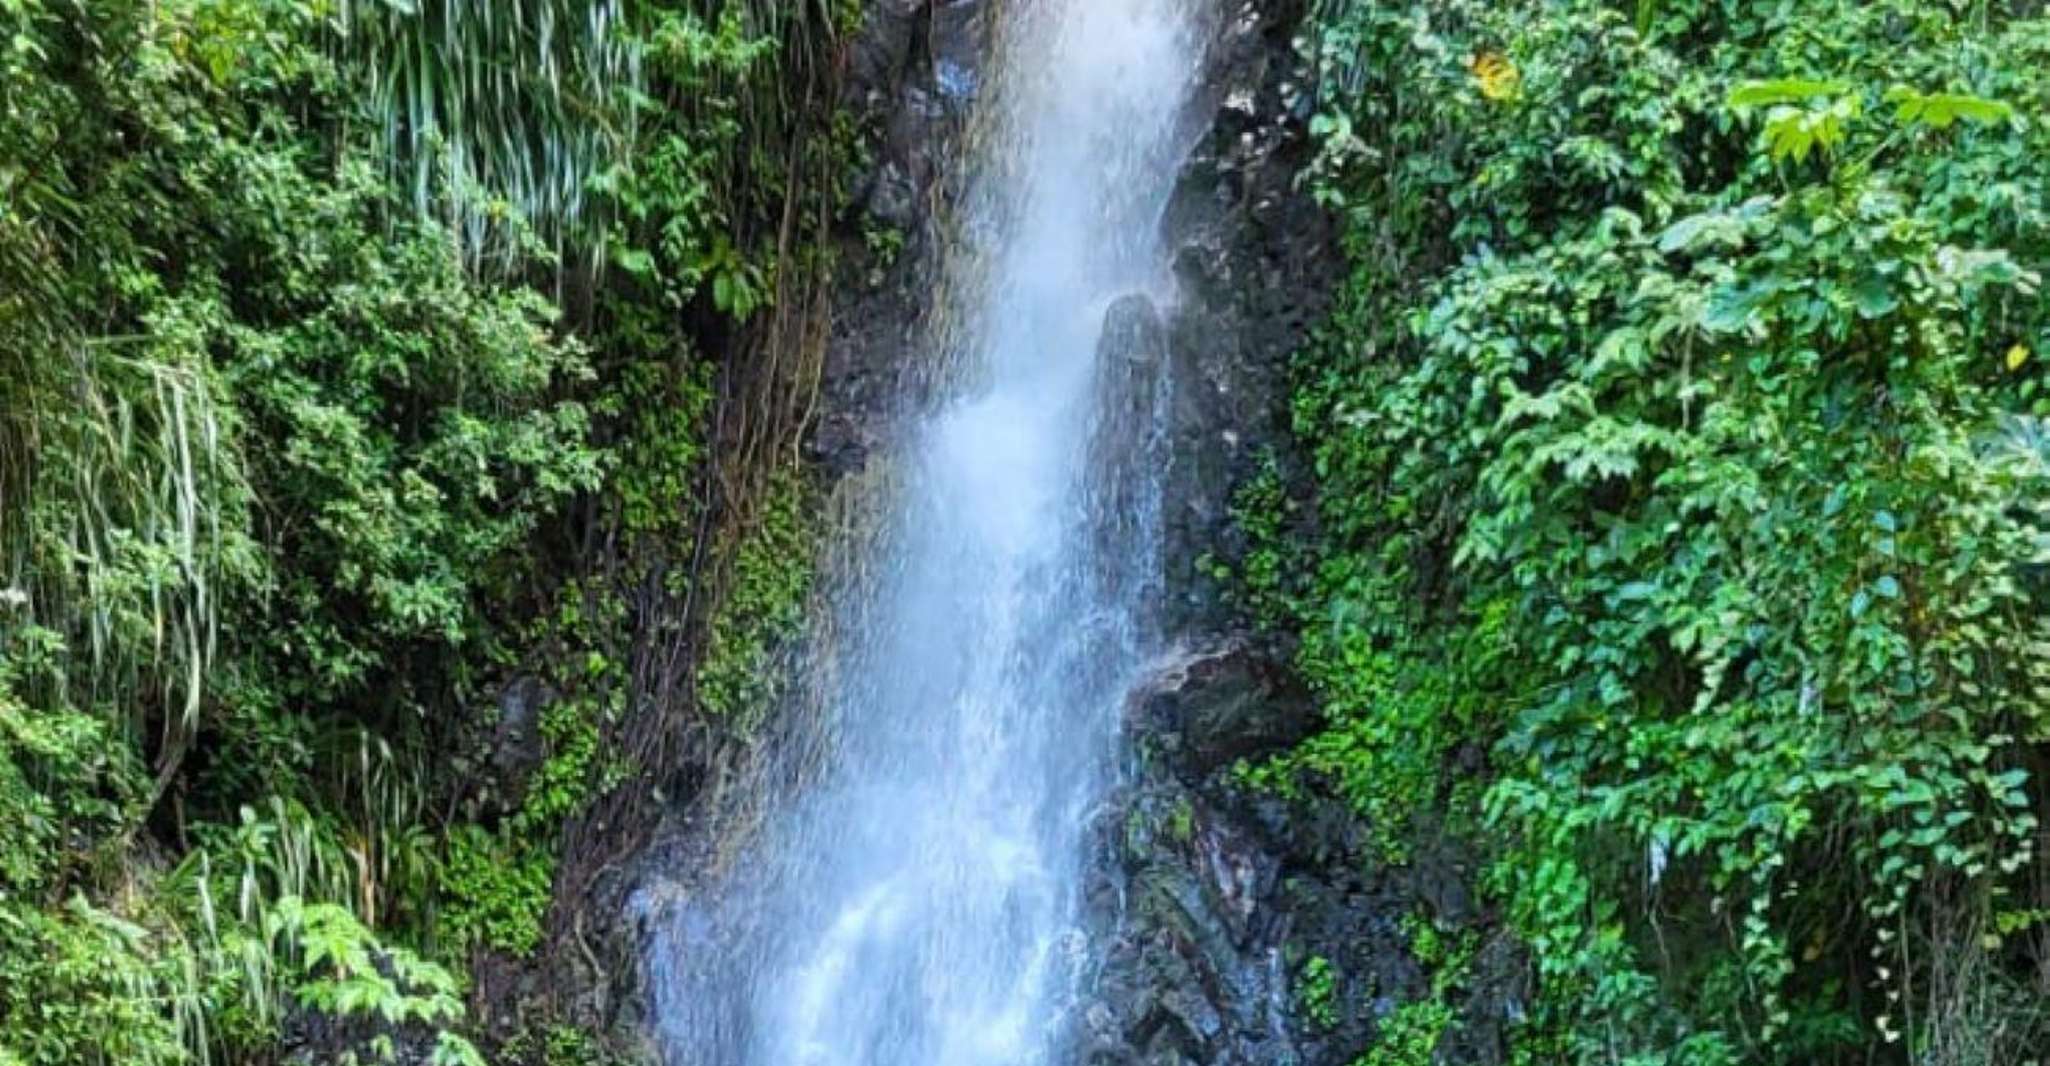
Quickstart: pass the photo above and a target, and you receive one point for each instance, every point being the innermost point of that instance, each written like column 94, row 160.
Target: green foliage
column 497, row 883
column 560, row 1045
column 136, row 574
column 680, row 201
column 79, row 984
column 1260, row 510
column 1316, row 992
column 205, row 962
column 497, row 887
column 739, row 676
column 497, row 114
column 410, row 432
column 1181, row 821
column 283, row 483
column 342, row 971
column 1259, row 570
column 1447, row 955
column 1805, row 115
column 1939, row 111
column 1410, row 1035
column 414, row 427
column 1399, row 708
column 61, row 781
column 1695, row 476
column 885, row 242
column 662, row 405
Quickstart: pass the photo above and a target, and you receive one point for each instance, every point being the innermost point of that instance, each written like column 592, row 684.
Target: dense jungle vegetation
column 355, row 356
column 1680, row 541
column 1681, row 463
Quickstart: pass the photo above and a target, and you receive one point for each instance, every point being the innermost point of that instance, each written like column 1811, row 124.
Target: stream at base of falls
column 916, row 903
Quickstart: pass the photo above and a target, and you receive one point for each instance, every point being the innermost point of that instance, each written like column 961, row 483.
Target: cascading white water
column 917, row 904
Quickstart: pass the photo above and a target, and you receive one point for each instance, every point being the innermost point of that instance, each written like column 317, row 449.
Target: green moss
column 740, row 676
column 559, row 1044
column 1409, row 1036
column 1316, row 992
column 1181, row 822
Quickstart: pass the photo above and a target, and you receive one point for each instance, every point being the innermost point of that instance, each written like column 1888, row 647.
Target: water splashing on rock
column 916, row 902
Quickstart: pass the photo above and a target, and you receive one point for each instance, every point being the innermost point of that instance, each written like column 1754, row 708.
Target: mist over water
column 917, row 903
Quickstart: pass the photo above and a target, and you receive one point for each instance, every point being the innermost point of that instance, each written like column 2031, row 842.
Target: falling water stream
column 917, row 903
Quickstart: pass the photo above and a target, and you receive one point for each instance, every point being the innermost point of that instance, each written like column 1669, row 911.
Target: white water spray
column 918, row 904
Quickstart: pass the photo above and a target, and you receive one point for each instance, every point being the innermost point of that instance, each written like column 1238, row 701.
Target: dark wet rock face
column 1255, row 260
column 1127, row 442
column 516, row 745
column 1191, row 880
column 1206, row 712
column 1207, row 899
column 910, row 75
column 914, row 71
column 1212, row 898
column 1194, row 971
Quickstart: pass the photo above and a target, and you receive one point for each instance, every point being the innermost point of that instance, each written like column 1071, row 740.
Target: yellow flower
column 1498, row 77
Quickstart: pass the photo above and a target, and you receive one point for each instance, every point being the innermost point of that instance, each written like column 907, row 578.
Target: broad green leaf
column 1977, row 267
column 1943, row 110
column 1784, row 91
column 1874, row 298
column 1735, row 308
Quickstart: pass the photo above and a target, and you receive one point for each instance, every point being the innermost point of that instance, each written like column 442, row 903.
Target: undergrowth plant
column 301, row 419
column 739, row 675
column 1679, row 443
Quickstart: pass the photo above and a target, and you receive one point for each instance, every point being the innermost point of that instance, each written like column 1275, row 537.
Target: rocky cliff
column 1207, row 901
column 1233, row 926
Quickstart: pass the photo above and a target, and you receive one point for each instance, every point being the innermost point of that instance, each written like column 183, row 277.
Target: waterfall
column 916, row 903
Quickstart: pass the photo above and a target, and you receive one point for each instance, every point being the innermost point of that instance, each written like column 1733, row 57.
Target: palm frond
column 498, row 115
column 121, row 519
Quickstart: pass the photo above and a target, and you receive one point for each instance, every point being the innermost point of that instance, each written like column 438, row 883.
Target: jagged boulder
column 1210, row 710
column 1194, row 969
